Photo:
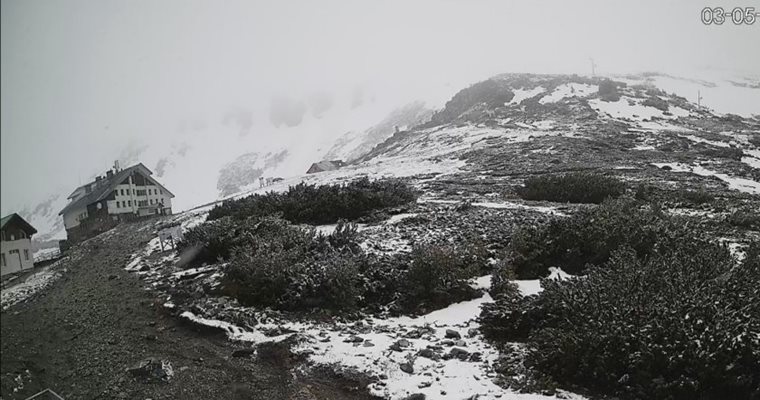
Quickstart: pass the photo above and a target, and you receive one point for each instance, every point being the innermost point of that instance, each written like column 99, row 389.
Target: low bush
column 586, row 238
column 511, row 317
column 733, row 153
column 325, row 204
column 656, row 102
column 214, row 239
column 272, row 263
column 700, row 196
column 286, row 267
column 438, row 276
column 658, row 313
column 571, row 188
column 608, row 91
column 680, row 323
column 744, row 219
column 754, row 140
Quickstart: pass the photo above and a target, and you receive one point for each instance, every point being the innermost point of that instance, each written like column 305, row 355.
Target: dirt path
column 80, row 335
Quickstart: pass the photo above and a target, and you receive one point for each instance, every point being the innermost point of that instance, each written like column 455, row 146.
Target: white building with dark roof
column 119, row 195
column 15, row 244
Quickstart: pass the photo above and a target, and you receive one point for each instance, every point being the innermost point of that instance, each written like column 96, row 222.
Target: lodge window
column 26, row 254
column 129, row 203
column 21, row 235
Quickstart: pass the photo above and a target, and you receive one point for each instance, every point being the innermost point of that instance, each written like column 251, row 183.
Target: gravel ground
column 80, row 335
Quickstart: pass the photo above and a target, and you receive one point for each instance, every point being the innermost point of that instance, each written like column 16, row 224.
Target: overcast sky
column 83, row 79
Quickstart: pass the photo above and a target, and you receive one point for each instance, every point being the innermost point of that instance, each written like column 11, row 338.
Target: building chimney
column 109, row 174
column 116, row 166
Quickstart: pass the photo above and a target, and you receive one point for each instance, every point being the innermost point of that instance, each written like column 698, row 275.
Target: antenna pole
column 593, row 67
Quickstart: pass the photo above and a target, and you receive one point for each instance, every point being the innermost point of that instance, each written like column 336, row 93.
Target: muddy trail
column 80, row 336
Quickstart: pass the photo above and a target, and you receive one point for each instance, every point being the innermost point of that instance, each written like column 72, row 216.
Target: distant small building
column 325, row 166
column 119, row 195
column 15, row 244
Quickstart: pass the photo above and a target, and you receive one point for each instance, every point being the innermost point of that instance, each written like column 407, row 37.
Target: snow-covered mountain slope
column 721, row 92
column 353, row 145
column 44, row 217
column 561, row 117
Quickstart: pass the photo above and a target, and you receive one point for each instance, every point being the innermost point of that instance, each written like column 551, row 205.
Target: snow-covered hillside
column 208, row 158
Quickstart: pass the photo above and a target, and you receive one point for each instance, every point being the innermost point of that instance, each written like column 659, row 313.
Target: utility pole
column 699, row 99
column 593, row 67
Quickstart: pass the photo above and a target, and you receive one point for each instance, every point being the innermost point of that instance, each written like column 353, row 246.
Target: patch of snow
column 710, row 142
column 398, row 217
column 740, row 184
column 533, row 286
column 134, row 263
column 522, row 94
column 483, row 282
column 752, row 158
column 46, row 254
column 371, row 354
column 568, row 90
column 512, row 206
column 31, row 285
column 632, row 109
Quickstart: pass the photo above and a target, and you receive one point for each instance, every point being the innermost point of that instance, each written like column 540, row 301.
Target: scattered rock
column 461, row 354
column 407, row 367
column 429, row 353
column 243, row 352
column 151, row 370
column 353, row 339
column 399, row 345
column 452, row 334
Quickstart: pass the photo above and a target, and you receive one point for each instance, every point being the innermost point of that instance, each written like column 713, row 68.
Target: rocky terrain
column 467, row 162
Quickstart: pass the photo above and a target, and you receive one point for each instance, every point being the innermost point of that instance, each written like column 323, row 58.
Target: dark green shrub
column 272, row 263
column 286, row 267
column 571, row 188
column 754, row 140
column 511, row 317
column 325, row 204
column 608, row 91
column 492, row 92
column 643, row 192
column 744, row 219
column 215, row 239
column 680, row 323
column 657, row 103
column 587, row 237
column 700, row 196
column 733, row 153
column 438, row 276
